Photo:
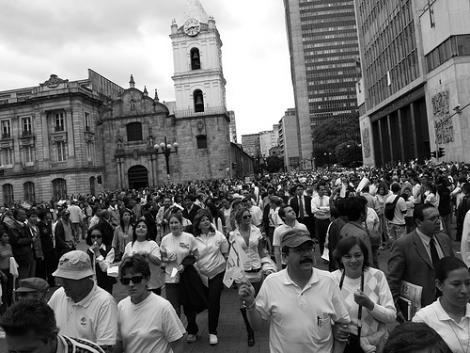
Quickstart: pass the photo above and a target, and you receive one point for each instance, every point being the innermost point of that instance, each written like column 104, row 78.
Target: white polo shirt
column 282, row 229
column 455, row 334
column 300, row 320
column 93, row 318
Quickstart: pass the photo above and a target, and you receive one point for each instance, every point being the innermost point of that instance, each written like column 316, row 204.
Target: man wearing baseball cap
column 32, row 288
column 82, row 309
column 301, row 303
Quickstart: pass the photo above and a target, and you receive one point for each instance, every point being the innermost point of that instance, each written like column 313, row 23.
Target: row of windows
column 452, row 47
column 59, row 191
column 25, row 124
column 306, row 33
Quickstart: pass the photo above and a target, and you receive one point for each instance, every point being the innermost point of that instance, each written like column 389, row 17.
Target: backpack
column 389, row 211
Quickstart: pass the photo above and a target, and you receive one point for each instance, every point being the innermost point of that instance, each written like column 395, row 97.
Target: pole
column 167, row 152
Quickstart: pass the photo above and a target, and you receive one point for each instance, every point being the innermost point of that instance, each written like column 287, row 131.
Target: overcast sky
column 119, row 37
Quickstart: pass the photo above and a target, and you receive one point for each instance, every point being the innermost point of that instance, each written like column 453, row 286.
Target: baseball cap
column 33, row 284
column 294, row 238
column 74, row 264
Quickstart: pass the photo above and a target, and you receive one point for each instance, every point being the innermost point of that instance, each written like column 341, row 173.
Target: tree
column 348, row 153
column 274, row 164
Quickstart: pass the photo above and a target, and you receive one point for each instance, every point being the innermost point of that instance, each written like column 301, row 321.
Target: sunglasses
column 247, row 216
column 134, row 279
column 96, row 236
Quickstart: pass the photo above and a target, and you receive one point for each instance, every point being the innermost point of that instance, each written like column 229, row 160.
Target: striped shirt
column 67, row 344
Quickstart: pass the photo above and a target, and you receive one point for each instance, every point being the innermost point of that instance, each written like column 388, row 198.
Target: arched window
column 8, row 198
column 195, row 59
column 29, row 192
column 59, row 189
column 134, row 131
column 198, row 101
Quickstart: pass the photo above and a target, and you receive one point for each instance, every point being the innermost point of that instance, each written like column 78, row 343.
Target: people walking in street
column 122, row 234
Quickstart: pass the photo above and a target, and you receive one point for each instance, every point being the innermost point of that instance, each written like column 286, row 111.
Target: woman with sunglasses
column 176, row 246
column 101, row 258
column 212, row 248
column 142, row 245
column 249, row 238
column 146, row 322
column 367, row 296
column 449, row 315
column 122, row 233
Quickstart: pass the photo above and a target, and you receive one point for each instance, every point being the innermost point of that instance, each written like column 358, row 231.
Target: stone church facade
column 82, row 137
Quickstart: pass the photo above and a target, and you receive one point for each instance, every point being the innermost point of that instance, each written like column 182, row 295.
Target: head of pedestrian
column 75, row 274
column 134, row 275
column 322, row 189
column 176, row 223
column 32, row 288
column 287, row 214
column 453, row 280
column 427, row 219
column 352, row 256
column 94, row 236
column 297, row 250
column 30, row 326
column 356, row 208
column 299, row 190
column 243, row 217
column 66, row 215
column 202, row 223
column 247, row 202
column 415, row 337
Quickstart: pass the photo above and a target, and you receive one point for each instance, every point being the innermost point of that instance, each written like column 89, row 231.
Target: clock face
column 192, row 27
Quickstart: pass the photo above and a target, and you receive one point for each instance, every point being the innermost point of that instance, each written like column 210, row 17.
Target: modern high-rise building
column 288, row 139
column 415, row 58
column 268, row 139
column 324, row 51
column 250, row 144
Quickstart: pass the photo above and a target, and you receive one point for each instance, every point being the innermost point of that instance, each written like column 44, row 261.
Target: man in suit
column 414, row 255
column 191, row 208
column 301, row 204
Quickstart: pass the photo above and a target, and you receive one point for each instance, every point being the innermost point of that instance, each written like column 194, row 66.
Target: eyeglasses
column 134, row 279
column 95, row 236
column 247, row 216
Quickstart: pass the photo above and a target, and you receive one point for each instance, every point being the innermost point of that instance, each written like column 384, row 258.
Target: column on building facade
column 390, row 142
column 400, row 130
column 70, row 135
column 413, row 130
column 381, row 139
column 45, row 136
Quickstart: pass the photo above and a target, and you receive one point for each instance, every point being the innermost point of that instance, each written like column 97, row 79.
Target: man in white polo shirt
column 82, row 309
column 301, row 303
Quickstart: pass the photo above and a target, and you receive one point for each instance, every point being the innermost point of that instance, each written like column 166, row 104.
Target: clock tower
column 198, row 78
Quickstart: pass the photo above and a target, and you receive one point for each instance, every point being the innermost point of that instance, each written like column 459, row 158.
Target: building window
column 195, row 59
column 8, row 198
column 89, row 151
column 134, row 132
column 29, row 194
column 29, row 155
column 92, row 185
column 7, row 157
column 201, row 141
column 61, row 151
column 59, row 121
column 87, row 122
column 59, row 189
column 6, row 129
column 27, row 126
column 198, row 101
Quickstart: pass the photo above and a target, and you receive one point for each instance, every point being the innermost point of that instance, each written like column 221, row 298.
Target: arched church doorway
column 138, row 177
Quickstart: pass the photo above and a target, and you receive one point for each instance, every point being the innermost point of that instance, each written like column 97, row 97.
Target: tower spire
column 132, row 82
column 145, row 91
column 195, row 10
column 156, row 96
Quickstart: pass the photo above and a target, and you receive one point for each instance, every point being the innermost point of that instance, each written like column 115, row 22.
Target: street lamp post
column 166, row 149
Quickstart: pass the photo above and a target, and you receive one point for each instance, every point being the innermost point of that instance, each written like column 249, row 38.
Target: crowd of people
column 175, row 247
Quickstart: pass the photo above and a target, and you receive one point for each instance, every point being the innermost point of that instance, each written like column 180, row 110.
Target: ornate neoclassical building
column 68, row 137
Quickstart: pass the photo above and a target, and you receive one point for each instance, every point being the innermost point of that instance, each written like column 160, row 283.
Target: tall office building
column 288, row 138
column 415, row 61
column 324, row 51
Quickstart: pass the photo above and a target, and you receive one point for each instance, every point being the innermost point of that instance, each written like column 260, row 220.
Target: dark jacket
column 102, row 279
column 193, row 293
column 60, row 244
column 45, row 234
column 409, row 261
column 21, row 243
column 307, row 200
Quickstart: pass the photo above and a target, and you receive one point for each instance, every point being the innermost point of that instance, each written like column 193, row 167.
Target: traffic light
column 441, row 152
column 434, row 154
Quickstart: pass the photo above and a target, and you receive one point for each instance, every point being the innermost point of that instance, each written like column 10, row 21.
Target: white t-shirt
column 144, row 248
column 182, row 246
column 148, row 326
column 211, row 248
column 282, row 229
column 400, row 207
column 93, row 318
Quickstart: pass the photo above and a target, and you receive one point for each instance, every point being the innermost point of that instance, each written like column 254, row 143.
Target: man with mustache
column 300, row 302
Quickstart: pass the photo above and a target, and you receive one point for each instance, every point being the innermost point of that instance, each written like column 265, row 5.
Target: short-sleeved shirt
column 148, row 326
column 152, row 248
column 253, row 261
column 400, row 209
column 282, row 229
column 182, row 245
column 300, row 319
column 93, row 318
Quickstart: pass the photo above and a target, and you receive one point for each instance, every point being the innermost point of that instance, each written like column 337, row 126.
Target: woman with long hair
column 122, row 233
column 149, row 249
column 449, row 315
column 212, row 248
column 367, row 296
column 101, row 257
column 175, row 247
